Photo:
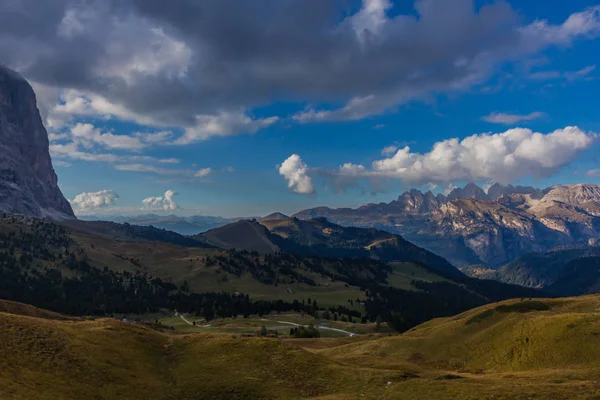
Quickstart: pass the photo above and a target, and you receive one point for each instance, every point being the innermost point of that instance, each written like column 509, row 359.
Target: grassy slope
column 494, row 339
column 179, row 264
column 513, row 350
column 107, row 359
column 541, row 269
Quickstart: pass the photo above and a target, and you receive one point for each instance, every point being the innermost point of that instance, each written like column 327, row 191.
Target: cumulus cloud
column 500, row 157
column 204, row 172
column 164, row 202
column 87, row 134
column 295, row 171
column 508, row 119
column 89, row 201
column 185, row 67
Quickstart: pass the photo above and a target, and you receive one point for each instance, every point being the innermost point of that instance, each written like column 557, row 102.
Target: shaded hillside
column 579, row 276
column 319, row 237
column 274, row 216
column 542, row 269
column 127, row 231
column 515, row 350
column 242, row 235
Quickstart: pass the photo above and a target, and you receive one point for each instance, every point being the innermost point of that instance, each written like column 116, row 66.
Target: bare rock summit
column 28, row 183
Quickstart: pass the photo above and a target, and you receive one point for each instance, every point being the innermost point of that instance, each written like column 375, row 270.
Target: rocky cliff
column 28, row 183
column 470, row 226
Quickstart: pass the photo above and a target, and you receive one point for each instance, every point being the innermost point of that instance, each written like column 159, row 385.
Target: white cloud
column 580, row 74
column 416, row 83
column 580, row 24
column 295, row 171
column 223, row 124
column 164, row 202
column 389, row 150
column 150, row 168
column 89, row 201
column 449, row 189
column 503, row 118
column 87, row 134
column 593, row 172
column 72, row 151
column 356, row 109
column 204, row 172
column 431, row 186
column 501, row 157
column 368, row 22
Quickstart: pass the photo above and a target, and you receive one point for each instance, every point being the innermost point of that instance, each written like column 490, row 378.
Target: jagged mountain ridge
column 28, row 183
column 470, row 226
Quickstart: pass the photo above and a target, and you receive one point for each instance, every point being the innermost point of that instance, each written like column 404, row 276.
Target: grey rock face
column 472, row 227
column 28, row 183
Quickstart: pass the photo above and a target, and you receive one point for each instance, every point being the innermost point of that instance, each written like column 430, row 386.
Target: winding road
column 323, row 328
column 280, row 327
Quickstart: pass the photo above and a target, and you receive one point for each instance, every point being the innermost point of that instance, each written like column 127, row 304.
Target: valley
column 518, row 348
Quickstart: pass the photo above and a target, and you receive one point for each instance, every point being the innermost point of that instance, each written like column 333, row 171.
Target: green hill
column 241, row 235
column 321, row 237
column 81, row 272
column 517, row 349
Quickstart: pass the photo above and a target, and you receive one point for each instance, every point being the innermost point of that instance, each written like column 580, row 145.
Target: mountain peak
column 274, row 216
column 573, row 194
column 470, row 191
column 28, row 183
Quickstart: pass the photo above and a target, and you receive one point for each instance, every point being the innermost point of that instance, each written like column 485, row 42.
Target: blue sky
column 257, row 112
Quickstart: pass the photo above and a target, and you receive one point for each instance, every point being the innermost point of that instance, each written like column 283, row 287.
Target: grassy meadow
column 517, row 349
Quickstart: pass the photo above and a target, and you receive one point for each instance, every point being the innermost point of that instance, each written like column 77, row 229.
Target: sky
column 243, row 108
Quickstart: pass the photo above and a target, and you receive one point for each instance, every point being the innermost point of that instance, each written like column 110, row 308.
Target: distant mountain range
column 469, row 226
column 191, row 225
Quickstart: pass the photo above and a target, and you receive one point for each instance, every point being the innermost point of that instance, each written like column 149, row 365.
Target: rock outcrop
column 470, row 226
column 28, row 183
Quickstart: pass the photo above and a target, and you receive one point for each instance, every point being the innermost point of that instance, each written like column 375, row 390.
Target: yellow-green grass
column 180, row 264
column 517, row 349
column 108, row 359
column 516, row 335
column 280, row 322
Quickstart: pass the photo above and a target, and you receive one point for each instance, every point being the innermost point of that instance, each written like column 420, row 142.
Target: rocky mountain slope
column 28, row 184
column 470, row 226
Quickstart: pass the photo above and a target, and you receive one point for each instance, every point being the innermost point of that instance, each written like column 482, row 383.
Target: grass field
column 180, row 264
column 274, row 322
column 518, row 349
